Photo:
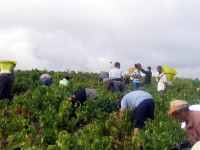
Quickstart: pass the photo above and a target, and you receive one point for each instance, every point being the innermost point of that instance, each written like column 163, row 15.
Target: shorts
column 143, row 111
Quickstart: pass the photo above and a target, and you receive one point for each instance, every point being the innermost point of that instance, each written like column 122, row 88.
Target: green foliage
column 41, row 117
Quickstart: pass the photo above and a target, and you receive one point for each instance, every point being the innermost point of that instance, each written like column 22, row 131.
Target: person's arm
column 108, row 87
column 136, row 131
column 121, row 114
column 143, row 71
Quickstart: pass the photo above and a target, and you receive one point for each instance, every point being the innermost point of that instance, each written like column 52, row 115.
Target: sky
column 87, row 35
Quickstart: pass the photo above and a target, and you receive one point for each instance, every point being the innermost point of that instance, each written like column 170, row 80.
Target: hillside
column 39, row 117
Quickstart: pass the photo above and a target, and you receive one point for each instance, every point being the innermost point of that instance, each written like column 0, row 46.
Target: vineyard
column 39, row 117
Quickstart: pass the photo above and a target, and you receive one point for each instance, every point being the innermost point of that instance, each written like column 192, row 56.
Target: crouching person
column 82, row 95
column 179, row 109
column 46, row 79
column 143, row 105
column 117, row 86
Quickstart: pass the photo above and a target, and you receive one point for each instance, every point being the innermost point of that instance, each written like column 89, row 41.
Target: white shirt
column 136, row 76
column 161, row 79
column 192, row 107
column 115, row 73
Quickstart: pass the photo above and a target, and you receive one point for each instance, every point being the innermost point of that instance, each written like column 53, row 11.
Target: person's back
column 46, row 79
column 148, row 75
column 116, row 73
column 6, row 83
column 91, row 93
column 117, row 86
column 143, row 106
column 7, row 78
column 65, row 81
column 104, row 76
column 134, row 98
column 81, row 95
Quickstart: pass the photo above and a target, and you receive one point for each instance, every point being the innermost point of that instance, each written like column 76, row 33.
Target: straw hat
column 177, row 105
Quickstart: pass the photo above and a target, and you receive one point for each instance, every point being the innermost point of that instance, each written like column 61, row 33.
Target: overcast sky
column 89, row 34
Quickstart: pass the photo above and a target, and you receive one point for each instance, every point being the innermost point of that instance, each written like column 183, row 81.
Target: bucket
column 7, row 66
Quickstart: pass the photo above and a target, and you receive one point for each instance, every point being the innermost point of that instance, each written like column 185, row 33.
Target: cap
column 177, row 105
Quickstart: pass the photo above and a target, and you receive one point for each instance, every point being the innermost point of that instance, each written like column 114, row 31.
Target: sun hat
column 177, row 105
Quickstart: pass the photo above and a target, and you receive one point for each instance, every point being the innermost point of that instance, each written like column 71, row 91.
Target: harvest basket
column 170, row 72
column 130, row 70
column 7, row 66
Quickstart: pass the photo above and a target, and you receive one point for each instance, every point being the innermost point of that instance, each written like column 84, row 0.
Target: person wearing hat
column 117, row 86
column 116, row 73
column 136, row 75
column 143, row 105
column 179, row 109
column 81, row 95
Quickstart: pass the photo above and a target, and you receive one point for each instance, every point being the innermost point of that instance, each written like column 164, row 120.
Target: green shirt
column 64, row 82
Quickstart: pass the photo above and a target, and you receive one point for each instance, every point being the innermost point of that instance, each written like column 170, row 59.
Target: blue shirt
column 133, row 99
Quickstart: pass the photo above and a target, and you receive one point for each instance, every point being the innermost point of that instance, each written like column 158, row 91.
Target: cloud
column 88, row 35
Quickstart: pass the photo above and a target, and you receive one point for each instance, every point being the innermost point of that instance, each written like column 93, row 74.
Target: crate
column 7, row 66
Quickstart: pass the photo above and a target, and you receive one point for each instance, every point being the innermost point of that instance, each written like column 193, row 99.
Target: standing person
column 116, row 73
column 161, row 79
column 46, row 79
column 6, row 83
column 179, row 109
column 136, row 76
column 82, row 95
column 117, row 86
column 143, row 104
column 148, row 75
column 65, row 81
column 7, row 78
column 104, row 76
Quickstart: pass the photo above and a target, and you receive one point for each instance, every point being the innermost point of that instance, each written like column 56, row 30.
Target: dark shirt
column 148, row 76
column 5, row 86
column 80, row 95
